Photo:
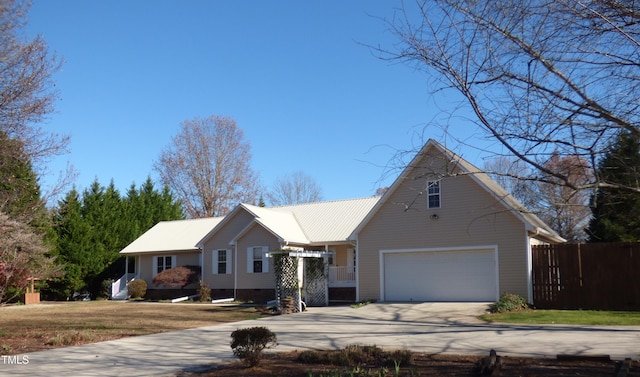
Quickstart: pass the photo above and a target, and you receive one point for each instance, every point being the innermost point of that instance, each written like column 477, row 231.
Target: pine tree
column 73, row 243
column 93, row 227
column 616, row 212
column 19, row 189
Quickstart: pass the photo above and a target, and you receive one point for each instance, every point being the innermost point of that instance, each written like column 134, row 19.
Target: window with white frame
column 222, row 261
column 163, row 262
column 433, row 194
column 257, row 259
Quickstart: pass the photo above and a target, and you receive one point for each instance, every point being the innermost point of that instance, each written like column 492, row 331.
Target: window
column 163, row 262
column 222, row 262
column 257, row 259
column 433, row 194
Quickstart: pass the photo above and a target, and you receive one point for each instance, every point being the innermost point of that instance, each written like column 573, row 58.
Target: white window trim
column 214, row 259
column 439, row 194
column 155, row 263
column 265, row 260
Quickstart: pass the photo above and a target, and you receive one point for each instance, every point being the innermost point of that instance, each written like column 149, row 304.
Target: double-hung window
column 163, row 262
column 433, row 194
column 222, row 261
column 257, row 261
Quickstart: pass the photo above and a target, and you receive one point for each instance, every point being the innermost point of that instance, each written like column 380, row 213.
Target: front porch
column 342, row 276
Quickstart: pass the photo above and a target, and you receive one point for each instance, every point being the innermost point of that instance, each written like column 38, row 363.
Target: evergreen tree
column 616, row 211
column 19, row 189
column 93, row 227
column 73, row 243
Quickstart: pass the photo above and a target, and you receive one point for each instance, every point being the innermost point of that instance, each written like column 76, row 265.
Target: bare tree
column 564, row 209
column 207, row 166
column 295, row 188
column 508, row 173
column 23, row 255
column 539, row 77
column 27, row 92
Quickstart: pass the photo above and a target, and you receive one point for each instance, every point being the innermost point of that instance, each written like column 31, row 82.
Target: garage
column 445, row 275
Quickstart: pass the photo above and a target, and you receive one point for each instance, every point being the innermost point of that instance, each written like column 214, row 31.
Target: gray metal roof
column 178, row 235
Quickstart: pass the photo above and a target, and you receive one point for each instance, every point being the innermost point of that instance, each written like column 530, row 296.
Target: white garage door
column 465, row 275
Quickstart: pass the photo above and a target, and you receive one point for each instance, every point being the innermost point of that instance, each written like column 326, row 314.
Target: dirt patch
column 286, row 364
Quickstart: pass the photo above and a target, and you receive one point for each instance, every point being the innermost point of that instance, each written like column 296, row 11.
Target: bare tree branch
column 541, row 77
column 207, row 166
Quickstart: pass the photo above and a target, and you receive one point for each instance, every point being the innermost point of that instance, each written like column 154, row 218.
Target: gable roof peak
column 532, row 222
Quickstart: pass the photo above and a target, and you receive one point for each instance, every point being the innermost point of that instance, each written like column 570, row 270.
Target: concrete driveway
column 424, row 327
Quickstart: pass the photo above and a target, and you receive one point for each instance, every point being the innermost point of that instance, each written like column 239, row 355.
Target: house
column 444, row 231
column 233, row 251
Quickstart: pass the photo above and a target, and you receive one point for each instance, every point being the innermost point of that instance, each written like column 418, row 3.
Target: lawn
column 567, row 317
column 29, row 328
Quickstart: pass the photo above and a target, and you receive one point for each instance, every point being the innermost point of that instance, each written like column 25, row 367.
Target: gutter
column 546, row 235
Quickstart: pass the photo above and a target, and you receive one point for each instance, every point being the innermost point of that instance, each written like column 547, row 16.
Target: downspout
column 529, row 267
column 235, row 271
column 358, row 269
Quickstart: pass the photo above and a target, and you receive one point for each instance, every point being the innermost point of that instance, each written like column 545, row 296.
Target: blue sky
column 294, row 75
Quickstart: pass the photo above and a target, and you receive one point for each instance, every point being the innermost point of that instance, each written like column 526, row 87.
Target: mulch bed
column 285, row 364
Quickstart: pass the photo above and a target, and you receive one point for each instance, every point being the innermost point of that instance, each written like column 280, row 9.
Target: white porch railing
column 119, row 287
column 342, row 276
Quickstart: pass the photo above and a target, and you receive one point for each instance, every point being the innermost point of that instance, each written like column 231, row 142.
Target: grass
column 31, row 328
column 566, row 317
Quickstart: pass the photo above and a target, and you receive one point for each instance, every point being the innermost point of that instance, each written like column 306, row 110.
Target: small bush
column 353, row 355
column 137, row 288
column 509, row 302
column 71, row 338
column 204, row 291
column 105, row 289
column 248, row 344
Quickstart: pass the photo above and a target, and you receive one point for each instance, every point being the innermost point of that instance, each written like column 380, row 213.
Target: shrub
column 248, row 344
column 177, row 277
column 105, row 289
column 357, row 355
column 204, row 291
column 509, row 302
column 71, row 338
column 137, row 288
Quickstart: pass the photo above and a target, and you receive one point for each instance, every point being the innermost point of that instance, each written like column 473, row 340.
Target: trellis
column 301, row 274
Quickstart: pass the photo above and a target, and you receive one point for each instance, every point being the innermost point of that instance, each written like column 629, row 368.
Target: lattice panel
column 287, row 280
column 315, row 282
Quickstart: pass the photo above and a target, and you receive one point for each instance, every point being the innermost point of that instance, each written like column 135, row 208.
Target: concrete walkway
column 426, row 327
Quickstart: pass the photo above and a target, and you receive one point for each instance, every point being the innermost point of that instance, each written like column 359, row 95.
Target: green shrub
column 137, row 288
column 105, row 289
column 248, row 344
column 509, row 302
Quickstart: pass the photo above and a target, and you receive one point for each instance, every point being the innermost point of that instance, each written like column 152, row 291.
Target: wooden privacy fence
column 595, row 276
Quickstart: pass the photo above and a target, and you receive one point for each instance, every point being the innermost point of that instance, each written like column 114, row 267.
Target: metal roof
column 282, row 224
column 178, row 235
column 332, row 221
